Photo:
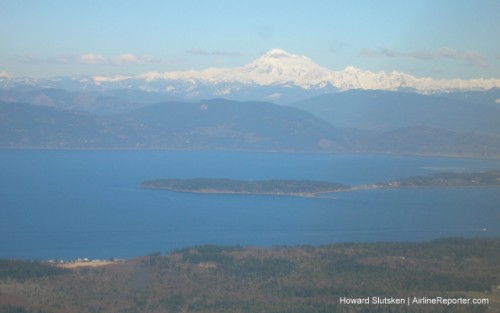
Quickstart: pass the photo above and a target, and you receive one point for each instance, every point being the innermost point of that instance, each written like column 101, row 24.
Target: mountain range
column 215, row 124
column 221, row 124
column 379, row 110
column 276, row 76
column 279, row 102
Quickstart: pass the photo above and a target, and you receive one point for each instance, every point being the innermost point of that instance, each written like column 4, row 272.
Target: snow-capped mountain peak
column 279, row 67
column 277, row 53
column 276, row 68
column 282, row 59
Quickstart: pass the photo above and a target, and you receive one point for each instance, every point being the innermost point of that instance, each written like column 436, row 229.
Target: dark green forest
column 279, row 279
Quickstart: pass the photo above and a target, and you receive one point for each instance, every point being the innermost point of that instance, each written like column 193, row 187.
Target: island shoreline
column 441, row 180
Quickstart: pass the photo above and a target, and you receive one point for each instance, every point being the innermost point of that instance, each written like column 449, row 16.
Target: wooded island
column 309, row 188
column 449, row 179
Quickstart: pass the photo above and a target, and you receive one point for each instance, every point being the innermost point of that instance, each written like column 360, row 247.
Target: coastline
column 228, row 192
column 78, row 264
column 336, row 153
column 377, row 186
column 313, row 194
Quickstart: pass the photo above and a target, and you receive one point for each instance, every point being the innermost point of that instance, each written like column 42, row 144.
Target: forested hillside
column 280, row 279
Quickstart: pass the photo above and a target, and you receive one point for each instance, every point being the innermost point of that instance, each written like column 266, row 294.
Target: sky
column 437, row 38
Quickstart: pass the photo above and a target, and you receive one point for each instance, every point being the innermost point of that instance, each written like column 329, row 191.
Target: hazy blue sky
column 441, row 39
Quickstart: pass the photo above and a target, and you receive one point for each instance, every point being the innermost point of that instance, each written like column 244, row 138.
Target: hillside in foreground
column 280, row 279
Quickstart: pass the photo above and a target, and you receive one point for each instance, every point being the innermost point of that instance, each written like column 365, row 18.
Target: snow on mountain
column 275, row 68
column 353, row 78
column 278, row 67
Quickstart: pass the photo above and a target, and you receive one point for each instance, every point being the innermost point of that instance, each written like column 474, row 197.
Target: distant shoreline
column 419, row 155
column 315, row 194
column 79, row 264
column 225, row 192
column 299, row 188
column 310, row 189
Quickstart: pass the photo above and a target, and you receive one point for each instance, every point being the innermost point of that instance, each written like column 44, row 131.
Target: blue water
column 71, row 204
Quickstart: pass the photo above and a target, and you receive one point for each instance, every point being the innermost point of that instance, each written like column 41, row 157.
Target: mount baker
column 277, row 70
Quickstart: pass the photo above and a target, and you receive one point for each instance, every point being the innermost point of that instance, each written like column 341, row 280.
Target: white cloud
column 121, row 59
column 471, row 57
column 4, row 74
column 90, row 58
column 131, row 59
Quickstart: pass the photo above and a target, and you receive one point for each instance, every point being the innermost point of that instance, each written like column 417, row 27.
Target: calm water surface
column 70, row 204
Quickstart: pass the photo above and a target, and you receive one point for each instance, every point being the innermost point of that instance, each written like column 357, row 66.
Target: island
column 448, row 179
column 311, row 188
column 306, row 188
